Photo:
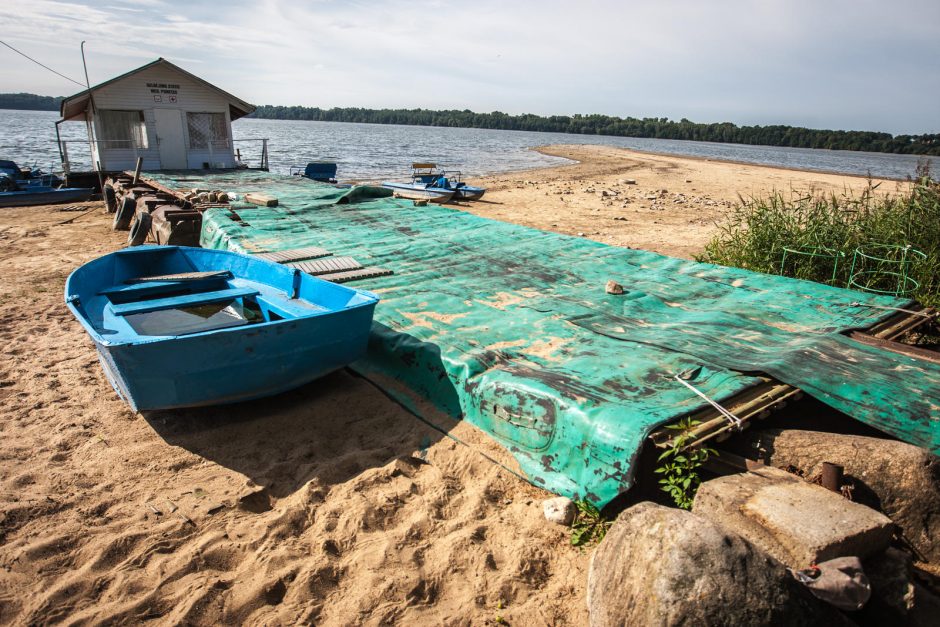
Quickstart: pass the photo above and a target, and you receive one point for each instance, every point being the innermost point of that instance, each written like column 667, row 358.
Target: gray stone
column 899, row 479
column 796, row 522
column 613, row 287
column 559, row 510
column 664, row 566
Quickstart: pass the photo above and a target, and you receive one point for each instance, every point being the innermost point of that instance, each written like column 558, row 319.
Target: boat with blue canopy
column 183, row 327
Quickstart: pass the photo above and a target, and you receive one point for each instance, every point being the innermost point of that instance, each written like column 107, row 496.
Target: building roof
column 74, row 106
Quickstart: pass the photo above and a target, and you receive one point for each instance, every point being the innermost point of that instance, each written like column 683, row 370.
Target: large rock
column 663, row 566
column 796, row 522
column 899, row 479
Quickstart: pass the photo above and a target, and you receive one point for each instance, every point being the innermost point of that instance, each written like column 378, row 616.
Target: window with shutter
column 206, row 129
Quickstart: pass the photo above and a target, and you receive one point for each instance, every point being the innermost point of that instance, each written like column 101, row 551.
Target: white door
column 170, row 139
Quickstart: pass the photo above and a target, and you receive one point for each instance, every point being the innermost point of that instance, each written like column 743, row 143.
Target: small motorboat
column 184, row 327
column 20, row 187
column 422, row 186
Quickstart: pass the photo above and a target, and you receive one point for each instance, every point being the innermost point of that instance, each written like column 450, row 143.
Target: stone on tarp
column 796, row 522
column 898, row 479
column 665, row 566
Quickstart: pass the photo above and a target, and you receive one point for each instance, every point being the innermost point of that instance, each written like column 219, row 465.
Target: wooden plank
column 295, row 254
column 328, row 265
column 355, row 275
column 180, row 277
column 263, row 200
column 758, row 402
column 897, row 347
column 173, row 302
column 903, row 322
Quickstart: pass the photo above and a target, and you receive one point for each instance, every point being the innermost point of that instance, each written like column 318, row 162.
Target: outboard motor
column 7, row 184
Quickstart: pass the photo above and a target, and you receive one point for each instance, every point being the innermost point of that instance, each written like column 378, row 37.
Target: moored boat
column 44, row 195
column 183, row 327
column 21, row 187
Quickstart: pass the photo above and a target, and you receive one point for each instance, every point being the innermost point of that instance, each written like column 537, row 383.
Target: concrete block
column 796, row 522
column 263, row 200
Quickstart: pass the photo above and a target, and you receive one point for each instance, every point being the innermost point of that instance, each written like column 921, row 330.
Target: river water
column 372, row 152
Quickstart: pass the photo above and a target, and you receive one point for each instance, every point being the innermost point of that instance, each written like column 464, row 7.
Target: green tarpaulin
column 511, row 329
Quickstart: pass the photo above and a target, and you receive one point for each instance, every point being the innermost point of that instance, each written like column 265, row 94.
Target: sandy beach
column 329, row 504
column 671, row 207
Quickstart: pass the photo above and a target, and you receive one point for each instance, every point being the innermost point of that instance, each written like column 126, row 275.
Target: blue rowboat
column 184, row 327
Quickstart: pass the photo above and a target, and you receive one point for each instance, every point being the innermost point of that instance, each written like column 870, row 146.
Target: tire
column 109, row 198
column 124, row 214
column 140, row 229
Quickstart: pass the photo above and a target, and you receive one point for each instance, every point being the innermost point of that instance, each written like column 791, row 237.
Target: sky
column 853, row 65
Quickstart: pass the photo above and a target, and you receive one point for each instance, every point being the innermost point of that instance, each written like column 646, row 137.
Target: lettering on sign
column 159, row 90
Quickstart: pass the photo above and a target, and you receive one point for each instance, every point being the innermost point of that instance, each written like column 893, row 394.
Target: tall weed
column 826, row 230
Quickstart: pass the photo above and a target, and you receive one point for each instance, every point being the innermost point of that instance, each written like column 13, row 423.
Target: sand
column 671, row 209
column 328, row 504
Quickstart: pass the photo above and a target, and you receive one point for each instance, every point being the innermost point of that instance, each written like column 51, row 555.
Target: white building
column 160, row 112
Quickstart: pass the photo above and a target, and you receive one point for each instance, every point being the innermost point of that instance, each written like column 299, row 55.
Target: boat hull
column 419, row 192
column 31, row 197
column 310, row 327
column 235, row 365
column 469, row 193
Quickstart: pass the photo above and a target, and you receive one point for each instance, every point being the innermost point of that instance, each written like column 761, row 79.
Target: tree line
column 30, row 102
column 595, row 124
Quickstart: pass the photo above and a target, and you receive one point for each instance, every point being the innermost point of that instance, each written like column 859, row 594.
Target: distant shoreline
column 552, row 150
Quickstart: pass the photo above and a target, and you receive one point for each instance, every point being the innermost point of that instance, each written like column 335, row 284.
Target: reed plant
column 816, row 236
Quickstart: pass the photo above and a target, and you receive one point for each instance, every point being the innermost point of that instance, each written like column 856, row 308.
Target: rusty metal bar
column 832, row 477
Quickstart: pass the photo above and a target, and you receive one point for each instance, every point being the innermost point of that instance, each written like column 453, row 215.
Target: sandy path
column 328, row 504
column 671, row 209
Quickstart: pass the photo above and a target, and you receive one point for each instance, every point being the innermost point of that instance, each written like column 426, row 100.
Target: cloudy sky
column 853, row 64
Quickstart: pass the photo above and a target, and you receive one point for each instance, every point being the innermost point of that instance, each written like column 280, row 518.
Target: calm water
column 376, row 152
